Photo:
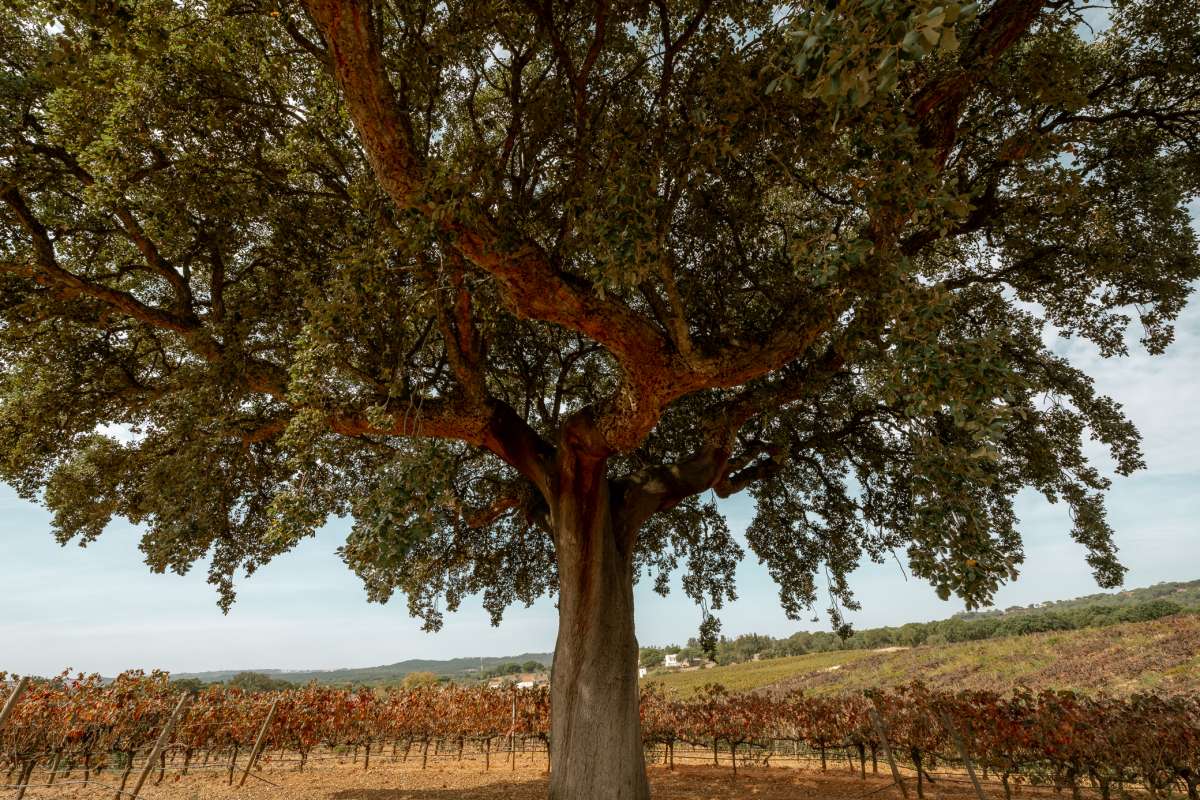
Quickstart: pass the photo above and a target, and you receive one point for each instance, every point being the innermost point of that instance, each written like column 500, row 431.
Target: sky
column 100, row 609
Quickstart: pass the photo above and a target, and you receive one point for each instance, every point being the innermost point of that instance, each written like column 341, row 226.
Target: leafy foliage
column 261, row 264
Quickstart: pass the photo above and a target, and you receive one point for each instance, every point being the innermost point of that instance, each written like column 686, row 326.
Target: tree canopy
column 265, row 263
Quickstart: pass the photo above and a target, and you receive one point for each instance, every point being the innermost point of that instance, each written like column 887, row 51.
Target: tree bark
column 596, row 748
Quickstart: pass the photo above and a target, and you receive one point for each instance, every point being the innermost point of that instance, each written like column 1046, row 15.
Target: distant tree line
column 258, row 682
column 512, row 668
column 246, row 681
column 955, row 629
column 1183, row 593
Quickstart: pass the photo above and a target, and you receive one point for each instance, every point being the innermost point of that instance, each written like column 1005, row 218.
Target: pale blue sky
column 101, row 610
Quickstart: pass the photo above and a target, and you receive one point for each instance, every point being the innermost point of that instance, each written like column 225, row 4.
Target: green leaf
column 949, row 41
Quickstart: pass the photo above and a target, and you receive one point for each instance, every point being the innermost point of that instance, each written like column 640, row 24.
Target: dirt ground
column 339, row 779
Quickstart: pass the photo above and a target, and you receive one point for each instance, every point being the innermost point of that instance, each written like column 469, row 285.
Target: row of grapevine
column 1054, row 737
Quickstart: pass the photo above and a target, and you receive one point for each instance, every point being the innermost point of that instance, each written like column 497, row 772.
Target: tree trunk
column 596, row 749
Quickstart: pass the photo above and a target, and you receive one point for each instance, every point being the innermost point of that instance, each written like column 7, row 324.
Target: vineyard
column 138, row 730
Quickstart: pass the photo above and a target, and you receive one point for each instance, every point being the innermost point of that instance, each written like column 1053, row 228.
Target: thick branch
column 47, row 264
column 937, row 106
column 130, row 226
column 530, row 284
column 456, row 323
column 713, row 465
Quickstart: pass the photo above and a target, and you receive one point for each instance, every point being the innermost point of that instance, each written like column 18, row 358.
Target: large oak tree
column 520, row 286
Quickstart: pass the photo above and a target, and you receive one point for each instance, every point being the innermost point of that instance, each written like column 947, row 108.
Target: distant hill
column 1161, row 655
column 455, row 668
column 1185, row 594
column 1081, row 613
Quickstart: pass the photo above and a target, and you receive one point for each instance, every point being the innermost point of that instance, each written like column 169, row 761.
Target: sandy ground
column 338, row 779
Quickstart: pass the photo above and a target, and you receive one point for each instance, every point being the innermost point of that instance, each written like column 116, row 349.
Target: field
column 757, row 674
column 1163, row 655
column 340, row 779
column 1133, row 727
column 79, row 731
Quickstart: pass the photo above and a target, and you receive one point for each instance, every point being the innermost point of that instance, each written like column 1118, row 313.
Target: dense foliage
column 1048, row 737
column 809, row 250
column 522, row 286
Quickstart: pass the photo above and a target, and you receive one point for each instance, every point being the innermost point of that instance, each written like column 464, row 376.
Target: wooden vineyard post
column 962, row 751
column 11, row 703
column 881, row 732
column 160, row 743
column 258, row 742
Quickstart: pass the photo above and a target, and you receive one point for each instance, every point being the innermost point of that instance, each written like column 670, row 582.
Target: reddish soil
column 331, row 778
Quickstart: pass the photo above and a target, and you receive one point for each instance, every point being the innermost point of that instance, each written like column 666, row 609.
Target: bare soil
column 334, row 778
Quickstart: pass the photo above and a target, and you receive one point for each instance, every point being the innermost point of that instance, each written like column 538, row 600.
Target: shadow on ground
column 515, row 790
column 684, row 783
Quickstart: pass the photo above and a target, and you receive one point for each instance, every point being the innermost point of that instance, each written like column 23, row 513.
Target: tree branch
column 488, row 424
column 129, row 225
column 47, row 264
column 530, row 284
column 937, row 106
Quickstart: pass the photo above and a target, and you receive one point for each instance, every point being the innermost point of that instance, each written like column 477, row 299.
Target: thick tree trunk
column 596, row 744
